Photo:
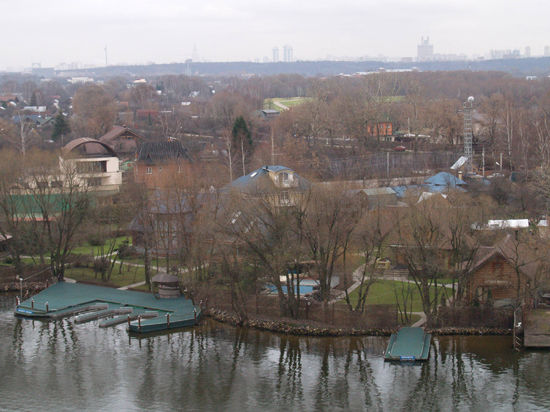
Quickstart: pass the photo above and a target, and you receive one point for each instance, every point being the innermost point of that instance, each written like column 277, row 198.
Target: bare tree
column 370, row 240
column 423, row 244
column 62, row 200
column 329, row 219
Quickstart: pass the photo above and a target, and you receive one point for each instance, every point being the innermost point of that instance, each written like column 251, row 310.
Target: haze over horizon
column 168, row 30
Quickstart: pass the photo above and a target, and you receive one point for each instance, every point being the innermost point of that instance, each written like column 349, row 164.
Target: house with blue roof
column 276, row 182
column 442, row 182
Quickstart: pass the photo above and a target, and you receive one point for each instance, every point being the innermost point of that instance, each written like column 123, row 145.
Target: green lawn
column 382, row 292
column 161, row 261
column 129, row 275
column 286, row 101
column 88, row 249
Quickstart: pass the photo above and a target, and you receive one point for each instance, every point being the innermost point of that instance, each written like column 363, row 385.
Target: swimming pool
column 306, row 286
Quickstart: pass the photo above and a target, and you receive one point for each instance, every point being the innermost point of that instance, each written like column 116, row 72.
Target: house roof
column 375, row 191
column 117, row 131
column 162, row 151
column 444, row 179
column 520, row 255
column 83, row 141
column 258, row 181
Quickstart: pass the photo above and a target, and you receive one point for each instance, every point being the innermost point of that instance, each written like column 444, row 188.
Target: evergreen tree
column 60, row 127
column 33, row 99
column 242, row 138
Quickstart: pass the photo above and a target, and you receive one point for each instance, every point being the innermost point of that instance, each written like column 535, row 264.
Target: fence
column 31, row 278
column 335, row 315
column 475, row 317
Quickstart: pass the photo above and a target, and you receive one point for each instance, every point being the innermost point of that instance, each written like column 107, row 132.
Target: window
column 91, row 167
column 284, row 179
column 149, row 170
column 94, row 181
column 284, row 197
column 160, row 169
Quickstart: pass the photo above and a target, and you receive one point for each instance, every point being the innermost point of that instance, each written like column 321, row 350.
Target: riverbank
column 303, row 327
column 299, row 328
column 29, row 288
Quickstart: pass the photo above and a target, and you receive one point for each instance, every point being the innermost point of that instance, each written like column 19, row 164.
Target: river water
column 62, row 366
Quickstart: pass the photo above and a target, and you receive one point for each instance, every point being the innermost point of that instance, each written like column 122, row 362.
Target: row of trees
column 42, row 207
column 247, row 241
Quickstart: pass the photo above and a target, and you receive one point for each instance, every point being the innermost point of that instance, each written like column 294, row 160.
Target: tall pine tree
column 60, row 127
column 242, row 138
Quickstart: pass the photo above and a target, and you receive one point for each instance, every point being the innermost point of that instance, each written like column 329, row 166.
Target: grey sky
column 140, row 31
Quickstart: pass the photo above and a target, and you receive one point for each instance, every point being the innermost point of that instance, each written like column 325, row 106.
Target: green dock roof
column 64, row 297
column 409, row 344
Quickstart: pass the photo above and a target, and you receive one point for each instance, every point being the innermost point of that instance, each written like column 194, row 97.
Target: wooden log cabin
column 507, row 273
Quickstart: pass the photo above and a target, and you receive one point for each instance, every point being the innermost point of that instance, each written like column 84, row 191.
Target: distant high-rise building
column 275, row 54
column 547, row 51
column 425, row 50
column 527, row 51
column 195, row 54
column 287, row 53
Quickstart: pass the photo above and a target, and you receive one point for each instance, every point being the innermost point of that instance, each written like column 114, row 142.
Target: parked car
column 399, row 148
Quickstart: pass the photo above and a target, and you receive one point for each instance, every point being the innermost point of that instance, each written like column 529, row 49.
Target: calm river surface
column 63, row 366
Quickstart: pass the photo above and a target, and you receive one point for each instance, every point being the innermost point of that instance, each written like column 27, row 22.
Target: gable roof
column 518, row 255
column 162, row 151
column 258, row 181
column 118, row 131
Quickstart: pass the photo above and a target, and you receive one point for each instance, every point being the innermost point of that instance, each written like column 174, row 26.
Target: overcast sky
column 140, row 31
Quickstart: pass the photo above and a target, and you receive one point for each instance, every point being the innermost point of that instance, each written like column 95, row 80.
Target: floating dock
column 409, row 344
column 68, row 299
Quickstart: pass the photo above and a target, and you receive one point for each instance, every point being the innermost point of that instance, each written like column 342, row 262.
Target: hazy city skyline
column 169, row 30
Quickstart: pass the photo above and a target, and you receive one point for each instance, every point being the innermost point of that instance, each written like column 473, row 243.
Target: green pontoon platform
column 409, row 344
column 68, row 299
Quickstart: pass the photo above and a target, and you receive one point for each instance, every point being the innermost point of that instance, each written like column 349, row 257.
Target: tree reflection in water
column 217, row 367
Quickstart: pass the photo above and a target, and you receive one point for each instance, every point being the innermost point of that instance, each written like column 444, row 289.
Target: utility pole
column 272, row 147
column 483, row 161
column 468, row 136
column 23, row 133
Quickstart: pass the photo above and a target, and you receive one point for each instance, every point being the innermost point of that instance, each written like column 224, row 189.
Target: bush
column 96, row 240
column 101, row 265
column 82, row 261
column 125, row 250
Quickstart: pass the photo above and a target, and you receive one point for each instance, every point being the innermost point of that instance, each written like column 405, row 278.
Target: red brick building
column 160, row 164
column 380, row 129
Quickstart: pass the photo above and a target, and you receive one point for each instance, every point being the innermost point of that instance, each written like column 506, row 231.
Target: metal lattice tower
column 468, row 136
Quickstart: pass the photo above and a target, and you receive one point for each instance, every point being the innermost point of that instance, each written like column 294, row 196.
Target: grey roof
column 379, row 191
column 117, row 131
column 162, row 151
column 165, row 278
